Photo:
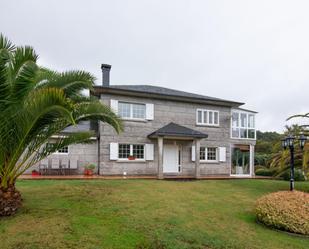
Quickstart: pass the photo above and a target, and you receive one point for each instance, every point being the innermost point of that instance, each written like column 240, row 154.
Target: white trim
column 114, row 105
column 131, row 152
column 206, row 152
column 250, row 161
column 131, row 118
column 213, row 118
column 113, row 151
column 222, row 154
column 149, row 152
column 149, row 111
column 64, row 136
column 239, row 125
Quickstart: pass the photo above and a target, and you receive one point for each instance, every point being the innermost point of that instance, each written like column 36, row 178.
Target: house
column 167, row 133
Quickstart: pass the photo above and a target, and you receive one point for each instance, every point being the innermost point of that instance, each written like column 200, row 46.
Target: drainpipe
column 99, row 147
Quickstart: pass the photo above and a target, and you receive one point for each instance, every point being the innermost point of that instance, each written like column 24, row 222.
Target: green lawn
column 143, row 214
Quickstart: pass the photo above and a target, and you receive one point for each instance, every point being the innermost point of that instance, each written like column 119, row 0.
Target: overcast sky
column 255, row 51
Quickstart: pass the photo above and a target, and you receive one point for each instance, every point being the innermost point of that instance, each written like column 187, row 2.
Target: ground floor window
column 136, row 151
column 209, row 154
column 240, row 160
column 63, row 150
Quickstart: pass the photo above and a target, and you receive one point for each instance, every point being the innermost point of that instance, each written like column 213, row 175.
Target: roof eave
column 100, row 89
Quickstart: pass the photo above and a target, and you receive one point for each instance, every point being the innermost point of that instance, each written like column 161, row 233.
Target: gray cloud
column 251, row 51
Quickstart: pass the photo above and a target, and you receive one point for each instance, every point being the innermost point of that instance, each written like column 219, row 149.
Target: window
column 137, row 151
column 124, row 151
column 207, row 117
column 209, row 154
column 131, row 110
column 64, row 150
column 243, row 125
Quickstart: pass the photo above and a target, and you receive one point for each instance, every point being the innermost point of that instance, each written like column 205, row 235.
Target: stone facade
column 165, row 111
column 83, row 154
column 136, row 132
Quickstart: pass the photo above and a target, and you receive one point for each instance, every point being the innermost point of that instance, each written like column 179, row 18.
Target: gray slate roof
column 81, row 126
column 165, row 91
column 176, row 130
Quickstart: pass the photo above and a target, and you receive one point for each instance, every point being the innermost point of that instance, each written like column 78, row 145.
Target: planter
column 88, row 172
column 131, row 158
column 239, row 170
column 35, row 173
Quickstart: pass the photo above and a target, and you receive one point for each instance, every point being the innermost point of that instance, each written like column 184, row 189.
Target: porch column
column 197, row 158
column 252, row 160
column 160, row 158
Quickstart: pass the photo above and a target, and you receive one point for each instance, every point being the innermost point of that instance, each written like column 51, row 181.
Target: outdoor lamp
column 283, row 143
column 290, row 141
column 302, row 141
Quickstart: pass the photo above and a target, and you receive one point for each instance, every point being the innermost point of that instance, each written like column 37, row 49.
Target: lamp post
column 288, row 142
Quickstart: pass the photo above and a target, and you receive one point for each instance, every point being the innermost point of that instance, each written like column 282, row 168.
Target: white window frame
column 239, row 127
column 131, row 110
column 62, row 153
column 206, row 154
column 131, row 153
column 203, row 114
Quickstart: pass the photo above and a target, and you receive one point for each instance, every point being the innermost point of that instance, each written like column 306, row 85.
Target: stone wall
column 165, row 112
column 83, row 153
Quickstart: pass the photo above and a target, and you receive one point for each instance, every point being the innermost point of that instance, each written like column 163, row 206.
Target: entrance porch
column 170, row 140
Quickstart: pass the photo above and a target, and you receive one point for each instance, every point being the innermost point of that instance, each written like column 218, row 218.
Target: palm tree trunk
column 10, row 200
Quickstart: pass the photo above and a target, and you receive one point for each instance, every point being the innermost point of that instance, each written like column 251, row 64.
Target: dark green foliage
column 265, row 172
column 298, row 175
column 268, row 136
column 261, row 159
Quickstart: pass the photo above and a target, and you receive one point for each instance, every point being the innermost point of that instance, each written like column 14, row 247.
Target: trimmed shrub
column 285, row 210
column 265, row 172
column 298, row 175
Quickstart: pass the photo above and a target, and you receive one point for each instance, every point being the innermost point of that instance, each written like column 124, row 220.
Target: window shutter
column 113, row 151
column 193, row 153
column 149, row 151
column 222, row 154
column 114, row 105
column 149, row 111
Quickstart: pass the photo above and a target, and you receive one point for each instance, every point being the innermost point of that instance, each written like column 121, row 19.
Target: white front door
column 170, row 158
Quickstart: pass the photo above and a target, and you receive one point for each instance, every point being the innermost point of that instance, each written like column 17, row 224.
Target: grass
column 143, row 214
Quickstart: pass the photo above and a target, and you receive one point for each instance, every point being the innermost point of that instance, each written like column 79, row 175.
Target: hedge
column 285, row 210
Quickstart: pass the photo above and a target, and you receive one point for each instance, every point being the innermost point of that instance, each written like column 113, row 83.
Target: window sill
column 131, row 161
column 241, row 138
column 208, row 125
column 209, row 162
column 135, row 120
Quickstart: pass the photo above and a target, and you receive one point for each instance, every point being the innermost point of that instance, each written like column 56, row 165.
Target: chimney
column 105, row 74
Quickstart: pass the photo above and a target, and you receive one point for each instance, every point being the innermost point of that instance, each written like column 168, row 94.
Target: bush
column 265, row 172
column 298, row 175
column 285, row 210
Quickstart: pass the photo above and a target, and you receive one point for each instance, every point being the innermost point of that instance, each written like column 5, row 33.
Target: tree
column 280, row 160
column 36, row 103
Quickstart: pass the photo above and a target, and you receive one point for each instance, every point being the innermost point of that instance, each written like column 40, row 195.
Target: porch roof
column 176, row 130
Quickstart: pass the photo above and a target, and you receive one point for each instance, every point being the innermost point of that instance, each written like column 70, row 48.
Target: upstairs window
column 207, row 117
column 243, row 125
column 131, row 110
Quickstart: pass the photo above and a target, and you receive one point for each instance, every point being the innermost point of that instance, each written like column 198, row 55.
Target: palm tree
column 280, row 161
column 36, row 103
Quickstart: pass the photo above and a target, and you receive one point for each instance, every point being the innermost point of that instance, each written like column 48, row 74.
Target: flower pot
column 131, row 158
column 88, row 172
column 35, row 173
